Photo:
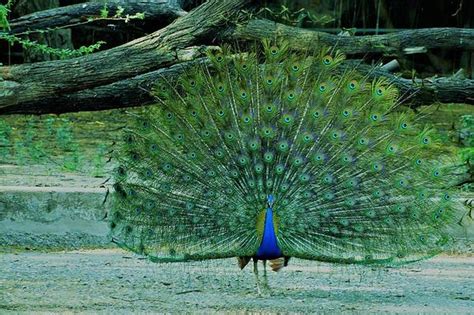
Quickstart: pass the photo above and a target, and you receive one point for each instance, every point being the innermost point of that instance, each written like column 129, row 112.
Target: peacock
column 272, row 153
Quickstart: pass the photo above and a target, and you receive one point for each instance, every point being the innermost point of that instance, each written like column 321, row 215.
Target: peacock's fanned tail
column 355, row 178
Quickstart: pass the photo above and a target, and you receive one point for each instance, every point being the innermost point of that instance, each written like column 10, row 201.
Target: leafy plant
column 4, row 11
column 299, row 18
column 35, row 46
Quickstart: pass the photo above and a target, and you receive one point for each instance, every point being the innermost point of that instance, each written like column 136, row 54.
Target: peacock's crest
column 355, row 178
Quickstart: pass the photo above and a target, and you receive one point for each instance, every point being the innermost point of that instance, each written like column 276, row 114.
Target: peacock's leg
column 265, row 278
column 257, row 280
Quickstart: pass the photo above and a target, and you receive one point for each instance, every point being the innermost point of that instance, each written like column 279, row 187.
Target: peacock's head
column 270, row 201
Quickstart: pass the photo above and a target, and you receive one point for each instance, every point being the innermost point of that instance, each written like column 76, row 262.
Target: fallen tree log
column 77, row 13
column 136, row 91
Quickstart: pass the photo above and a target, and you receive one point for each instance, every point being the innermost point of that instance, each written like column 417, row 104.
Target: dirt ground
column 113, row 281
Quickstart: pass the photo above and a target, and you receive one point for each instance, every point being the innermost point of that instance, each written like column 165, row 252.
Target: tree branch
column 77, row 13
column 388, row 44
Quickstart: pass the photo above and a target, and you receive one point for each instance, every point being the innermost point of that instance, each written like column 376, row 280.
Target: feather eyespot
column 379, row 91
column 327, row 60
column 353, row 85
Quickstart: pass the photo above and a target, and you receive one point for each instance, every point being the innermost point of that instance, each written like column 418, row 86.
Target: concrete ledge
column 69, row 213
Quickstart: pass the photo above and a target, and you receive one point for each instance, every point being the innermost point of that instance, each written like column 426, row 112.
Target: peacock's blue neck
column 269, row 247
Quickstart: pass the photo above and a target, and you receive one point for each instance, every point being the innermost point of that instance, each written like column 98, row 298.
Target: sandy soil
column 112, row 281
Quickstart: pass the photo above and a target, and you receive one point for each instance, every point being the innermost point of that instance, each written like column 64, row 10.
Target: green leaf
column 104, row 13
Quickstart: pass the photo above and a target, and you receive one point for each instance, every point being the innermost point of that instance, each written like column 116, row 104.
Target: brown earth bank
column 114, row 281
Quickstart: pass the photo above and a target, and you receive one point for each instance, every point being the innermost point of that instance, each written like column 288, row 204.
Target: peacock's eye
column 219, row 58
column 352, row 85
column 322, row 87
column 426, row 140
column 327, row 60
column 345, row 113
column 269, row 81
column 244, row 66
column 374, row 117
column 379, row 91
column 404, row 125
column 295, row 68
column 274, row 51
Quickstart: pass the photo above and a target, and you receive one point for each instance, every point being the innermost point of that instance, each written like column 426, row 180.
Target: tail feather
column 355, row 178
